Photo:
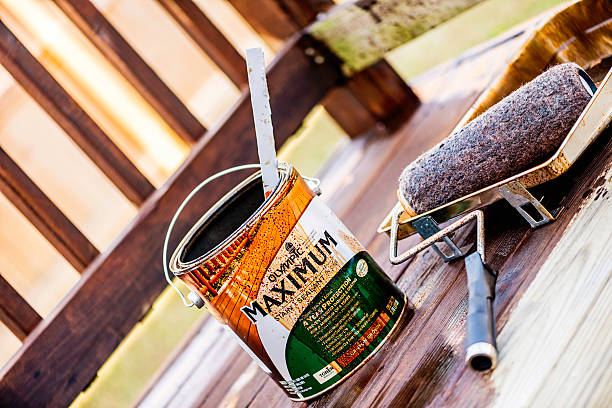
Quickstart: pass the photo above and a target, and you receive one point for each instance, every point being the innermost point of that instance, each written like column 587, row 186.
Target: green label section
column 343, row 325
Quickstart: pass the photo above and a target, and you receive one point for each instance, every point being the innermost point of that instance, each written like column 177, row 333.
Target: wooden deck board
column 422, row 365
column 561, row 329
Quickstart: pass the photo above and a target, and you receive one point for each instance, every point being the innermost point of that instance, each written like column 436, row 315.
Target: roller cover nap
column 520, row 131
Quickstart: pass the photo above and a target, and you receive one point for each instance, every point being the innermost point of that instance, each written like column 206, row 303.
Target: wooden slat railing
column 118, row 288
column 44, row 215
column 127, row 61
column 54, row 99
column 15, row 312
column 201, row 30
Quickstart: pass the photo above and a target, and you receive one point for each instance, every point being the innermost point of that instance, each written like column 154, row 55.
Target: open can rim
column 179, row 267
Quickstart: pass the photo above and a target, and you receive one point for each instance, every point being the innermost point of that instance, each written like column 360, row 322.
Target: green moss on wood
column 360, row 37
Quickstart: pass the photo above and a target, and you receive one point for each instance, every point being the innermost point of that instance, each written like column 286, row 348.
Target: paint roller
column 522, row 130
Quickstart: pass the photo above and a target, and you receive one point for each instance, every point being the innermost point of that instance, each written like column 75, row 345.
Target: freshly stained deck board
column 423, row 364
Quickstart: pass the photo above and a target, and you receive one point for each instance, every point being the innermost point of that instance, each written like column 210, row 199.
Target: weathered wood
column 121, row 284
column 522, row 267
column 54, row 99
column 247, row 375
column 204, row 33
column 362, row 31
column 15, row 312
column 49, row 220
column 127, row 61
column 378, row 95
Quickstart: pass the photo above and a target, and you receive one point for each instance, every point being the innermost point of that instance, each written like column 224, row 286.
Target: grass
column 312, row 145
column 128, row 370
column 478, row 24
column 121, row 380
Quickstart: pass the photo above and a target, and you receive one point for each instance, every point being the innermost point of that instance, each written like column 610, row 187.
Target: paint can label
column 323, row 305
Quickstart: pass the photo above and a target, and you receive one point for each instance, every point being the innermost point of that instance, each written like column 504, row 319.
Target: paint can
column 302, row 295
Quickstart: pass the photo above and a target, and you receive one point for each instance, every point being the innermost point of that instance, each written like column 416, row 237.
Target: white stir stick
column 262, row 115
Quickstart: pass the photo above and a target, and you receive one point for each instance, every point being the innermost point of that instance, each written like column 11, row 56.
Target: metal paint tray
column 594, row 119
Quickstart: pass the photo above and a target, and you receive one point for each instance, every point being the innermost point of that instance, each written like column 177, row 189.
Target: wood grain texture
column 204, row 33
column 348, row 112
column 561, row 330
column 360, row 32
column 120, row 53
column 44, row 215
column 118, row 288
column 77, row 124
column 209, row 352
column 384, row 93
column 15, row 312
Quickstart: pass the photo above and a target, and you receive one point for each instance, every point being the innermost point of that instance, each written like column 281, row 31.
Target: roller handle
column 481, row 347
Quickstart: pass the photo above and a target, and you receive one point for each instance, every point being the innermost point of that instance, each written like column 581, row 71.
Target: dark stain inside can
column 227, row 219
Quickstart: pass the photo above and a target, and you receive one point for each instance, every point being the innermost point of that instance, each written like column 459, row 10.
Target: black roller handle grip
column 481, row 347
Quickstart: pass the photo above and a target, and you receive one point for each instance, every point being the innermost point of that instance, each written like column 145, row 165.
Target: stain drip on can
column 303, row 296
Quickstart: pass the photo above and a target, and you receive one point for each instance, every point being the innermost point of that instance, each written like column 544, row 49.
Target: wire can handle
column 193, row 299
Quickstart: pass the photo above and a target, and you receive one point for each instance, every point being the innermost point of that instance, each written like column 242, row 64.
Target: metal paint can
column 303, row 296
